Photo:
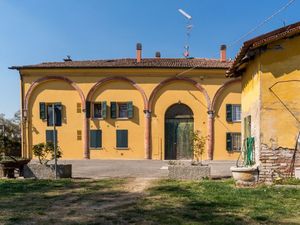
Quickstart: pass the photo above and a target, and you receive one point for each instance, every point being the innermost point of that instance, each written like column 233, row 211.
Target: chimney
column 138, row 52
column 223, row 53
column 157, row 55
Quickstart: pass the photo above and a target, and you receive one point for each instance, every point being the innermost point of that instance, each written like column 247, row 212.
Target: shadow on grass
column 167, row 202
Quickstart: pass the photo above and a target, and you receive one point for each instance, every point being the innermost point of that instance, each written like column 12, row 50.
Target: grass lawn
column 115, row 201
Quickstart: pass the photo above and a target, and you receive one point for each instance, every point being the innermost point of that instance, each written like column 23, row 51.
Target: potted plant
column 45, row 152
column 195, row 170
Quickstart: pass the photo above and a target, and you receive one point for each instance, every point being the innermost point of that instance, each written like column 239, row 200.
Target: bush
column 46, row 152
column 198, row 146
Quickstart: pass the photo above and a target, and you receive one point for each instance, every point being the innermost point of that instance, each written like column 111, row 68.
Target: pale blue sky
column 34, row 31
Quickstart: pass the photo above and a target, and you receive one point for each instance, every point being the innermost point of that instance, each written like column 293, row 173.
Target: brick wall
column 275, row 163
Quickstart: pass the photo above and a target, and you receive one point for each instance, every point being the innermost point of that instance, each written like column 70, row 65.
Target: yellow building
column 132, row 108
column 270, row 69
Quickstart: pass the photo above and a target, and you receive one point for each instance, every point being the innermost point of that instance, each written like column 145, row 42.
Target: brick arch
column 147, row 137
column 53, row 78
column 42, row 80
column 220, row 91
column 174, row 79
column 110, row 79
column 211, row 131
column 197, row 86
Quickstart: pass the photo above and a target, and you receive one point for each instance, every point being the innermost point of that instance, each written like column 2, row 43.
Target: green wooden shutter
column 58, row 113
column 122, row 138
column 228, row 142
column 229, row 112
column 113, row 110
column 95, row 138
column 49, row 136
column 103, row 110
column 99, row 134
column 88, row 109
column 92, row 139
column 43, row 114
column 130, row 109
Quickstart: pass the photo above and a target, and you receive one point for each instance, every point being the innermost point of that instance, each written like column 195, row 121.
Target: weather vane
column 189, row 28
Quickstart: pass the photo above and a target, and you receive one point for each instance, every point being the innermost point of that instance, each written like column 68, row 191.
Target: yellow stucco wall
column 251, row 101
column 279, row 128
column 272, row 123
column 147, row 79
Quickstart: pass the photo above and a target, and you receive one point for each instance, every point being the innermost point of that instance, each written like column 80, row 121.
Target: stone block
column 47, row 171
column 188, row 172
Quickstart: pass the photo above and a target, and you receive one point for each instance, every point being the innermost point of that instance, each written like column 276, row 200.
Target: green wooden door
column 178, row 138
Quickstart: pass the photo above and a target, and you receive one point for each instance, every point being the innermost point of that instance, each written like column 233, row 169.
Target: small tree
column 46, row 152
column 198, row 145
column 10, row 137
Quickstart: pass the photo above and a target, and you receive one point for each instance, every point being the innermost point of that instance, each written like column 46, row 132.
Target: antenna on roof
column 68, row 59
column 189, row 28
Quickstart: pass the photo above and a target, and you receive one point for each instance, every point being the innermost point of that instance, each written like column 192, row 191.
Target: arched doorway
column 179, row 127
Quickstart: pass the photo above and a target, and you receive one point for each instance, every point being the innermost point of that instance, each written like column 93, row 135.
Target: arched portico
column 39, row 82
column 104, row 81
column 198, row 86
column 212, row 110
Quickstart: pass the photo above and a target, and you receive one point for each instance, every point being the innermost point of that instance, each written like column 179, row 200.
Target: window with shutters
column 121, row 110
column 233, row 113
column 50, row 137
column 99, row 110
column 57, row 109
column 122, row 139
column 95, row 139
column 233, row 141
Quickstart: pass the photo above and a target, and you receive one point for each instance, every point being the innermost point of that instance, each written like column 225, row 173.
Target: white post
column 54, row 142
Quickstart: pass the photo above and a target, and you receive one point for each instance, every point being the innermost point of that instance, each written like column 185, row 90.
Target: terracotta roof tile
column 262, row 40
column 131, row 63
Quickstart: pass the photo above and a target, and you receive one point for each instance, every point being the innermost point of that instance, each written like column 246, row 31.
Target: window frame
column 93, row 110
column 56, row 136
column 233, row 113
column 230, row 119
column 129, row 110
column 118, row 110
column 48, row 104
column 231, row 149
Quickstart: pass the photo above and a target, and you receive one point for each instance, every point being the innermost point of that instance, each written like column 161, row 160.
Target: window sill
column 119, row 148
column 96, row 148
column 122, row 118
column 93, row 118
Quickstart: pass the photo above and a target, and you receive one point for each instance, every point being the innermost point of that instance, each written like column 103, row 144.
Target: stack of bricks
column 276, row 163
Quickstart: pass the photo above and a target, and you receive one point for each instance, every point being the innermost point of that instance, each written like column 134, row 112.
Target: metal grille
column 236, row 141
column 236, row 112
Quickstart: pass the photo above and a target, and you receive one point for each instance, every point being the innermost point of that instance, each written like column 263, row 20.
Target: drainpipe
column 86, row 124
column 210, row 146
column 147, row 137
column 23, row 120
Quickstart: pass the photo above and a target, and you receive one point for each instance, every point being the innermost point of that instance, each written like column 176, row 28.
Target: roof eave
column 127, row 67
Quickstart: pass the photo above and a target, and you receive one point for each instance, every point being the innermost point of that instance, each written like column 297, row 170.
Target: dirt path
column 139, row 185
